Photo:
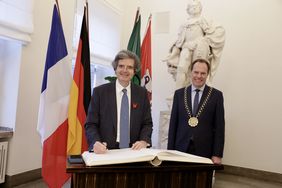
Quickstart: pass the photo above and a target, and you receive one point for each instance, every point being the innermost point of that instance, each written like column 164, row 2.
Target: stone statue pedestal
column 163, row 129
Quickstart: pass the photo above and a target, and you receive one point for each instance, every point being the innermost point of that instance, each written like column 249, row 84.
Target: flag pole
column 137, row 15
column 59, row 12
column 150, row 17
column 87, row 18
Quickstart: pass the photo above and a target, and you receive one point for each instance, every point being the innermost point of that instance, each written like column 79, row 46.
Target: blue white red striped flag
column 53, row 108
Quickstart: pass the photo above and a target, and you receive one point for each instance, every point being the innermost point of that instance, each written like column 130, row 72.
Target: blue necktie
column 124, row 121
column 196, row 102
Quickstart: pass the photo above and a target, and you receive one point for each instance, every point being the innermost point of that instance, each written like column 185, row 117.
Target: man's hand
column 139, row 145
column 216, row 160
column 99, row 147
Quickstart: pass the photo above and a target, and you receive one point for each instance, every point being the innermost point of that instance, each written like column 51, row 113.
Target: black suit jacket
column 101, row 121
column 208, row 135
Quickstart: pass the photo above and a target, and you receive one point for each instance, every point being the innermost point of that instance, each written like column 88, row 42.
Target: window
column 10, row 55
column 98, row 74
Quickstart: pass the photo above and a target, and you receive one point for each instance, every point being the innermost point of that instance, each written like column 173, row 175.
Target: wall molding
column 252, row 173
column 22, row 178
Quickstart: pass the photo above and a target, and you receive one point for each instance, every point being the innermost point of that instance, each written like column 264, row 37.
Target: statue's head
column 194, row 7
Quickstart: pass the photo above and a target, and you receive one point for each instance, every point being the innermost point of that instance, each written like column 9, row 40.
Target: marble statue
column 197, row 38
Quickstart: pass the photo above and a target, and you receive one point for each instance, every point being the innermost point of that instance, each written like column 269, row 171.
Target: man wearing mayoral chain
column 197, row 118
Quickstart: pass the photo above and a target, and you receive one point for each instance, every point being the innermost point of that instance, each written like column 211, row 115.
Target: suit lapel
column 134, row 99
column 113, row 101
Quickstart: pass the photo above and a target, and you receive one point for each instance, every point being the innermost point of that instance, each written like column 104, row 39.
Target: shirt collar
column 119, row 87
column 201, row 88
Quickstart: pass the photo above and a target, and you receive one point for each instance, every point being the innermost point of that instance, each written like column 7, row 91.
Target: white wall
column 250, row 76
column 249, row 73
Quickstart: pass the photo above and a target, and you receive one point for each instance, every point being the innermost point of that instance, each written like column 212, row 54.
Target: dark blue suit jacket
column 208, row 135
column 101, row 121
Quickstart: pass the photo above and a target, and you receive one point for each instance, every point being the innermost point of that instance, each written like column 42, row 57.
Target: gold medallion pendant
column 193, row 121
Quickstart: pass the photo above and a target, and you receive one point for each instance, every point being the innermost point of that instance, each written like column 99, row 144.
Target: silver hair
column 126, row 54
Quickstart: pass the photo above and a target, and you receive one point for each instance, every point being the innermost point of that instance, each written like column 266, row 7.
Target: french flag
column 53, row 108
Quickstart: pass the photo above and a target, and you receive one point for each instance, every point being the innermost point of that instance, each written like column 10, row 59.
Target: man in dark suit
column 104, row 121
column 197, row 120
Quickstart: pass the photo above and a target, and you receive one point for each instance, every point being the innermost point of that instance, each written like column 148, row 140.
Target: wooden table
column 143, row 174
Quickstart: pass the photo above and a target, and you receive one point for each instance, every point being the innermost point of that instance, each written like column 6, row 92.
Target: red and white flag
column 146, row 58
column 53, row 108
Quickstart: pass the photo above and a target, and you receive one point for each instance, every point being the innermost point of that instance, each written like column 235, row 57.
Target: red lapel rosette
column 134, row 105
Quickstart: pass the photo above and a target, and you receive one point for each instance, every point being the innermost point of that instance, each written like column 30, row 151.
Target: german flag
column 80, row 94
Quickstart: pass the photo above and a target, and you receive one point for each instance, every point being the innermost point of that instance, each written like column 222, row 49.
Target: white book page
column 128, row 155
column 173, row 155
column 116, row 156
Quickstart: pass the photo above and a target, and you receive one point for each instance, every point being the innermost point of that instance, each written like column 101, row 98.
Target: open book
column 154, row 156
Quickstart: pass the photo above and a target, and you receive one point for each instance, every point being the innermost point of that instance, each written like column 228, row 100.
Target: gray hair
column 126, row 54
